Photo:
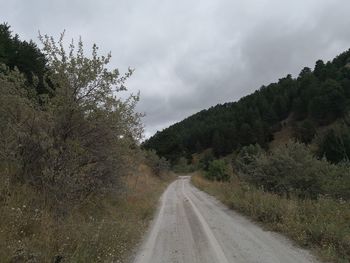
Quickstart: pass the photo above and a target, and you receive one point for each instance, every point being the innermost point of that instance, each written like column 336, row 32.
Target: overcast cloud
column 191, row 54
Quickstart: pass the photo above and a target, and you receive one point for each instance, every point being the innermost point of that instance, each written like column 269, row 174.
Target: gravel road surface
column 193, row 227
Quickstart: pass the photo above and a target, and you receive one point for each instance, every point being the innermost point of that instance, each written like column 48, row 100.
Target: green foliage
column 335, row 145
column 26, row 56
column 246, row 156
column 321, row 224
column 217, row 170
column 204, row 162
column 305, row 131
column 79, row 141
column 292, row 169
column 329, row 102
column 158, row 164
column 218, row 144
column 18, row 116
column 182, row 166
column 68, row 155
column 316, row 97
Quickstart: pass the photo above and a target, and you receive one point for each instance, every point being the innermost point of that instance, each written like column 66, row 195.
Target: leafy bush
column 65, row 160
column 158, row 164
column 68, row 151
column 246, row 156
column 182, row 166
column 292, row 169
column 77, row 142
column 204, row 162
column 217, row 170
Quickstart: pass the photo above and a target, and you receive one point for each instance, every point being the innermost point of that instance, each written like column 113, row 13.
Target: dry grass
column 103, row 229
column 322, row 225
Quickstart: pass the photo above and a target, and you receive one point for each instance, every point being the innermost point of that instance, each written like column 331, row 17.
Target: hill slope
column 315, row 98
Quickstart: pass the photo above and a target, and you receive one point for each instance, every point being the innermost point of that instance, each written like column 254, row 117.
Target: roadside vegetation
column 292, row 169
column 74, row 184
column 291, row 191
column 99, row 229
column 279, row 155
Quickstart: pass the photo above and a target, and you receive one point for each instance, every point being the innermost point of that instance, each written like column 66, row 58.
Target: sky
column 189, row 55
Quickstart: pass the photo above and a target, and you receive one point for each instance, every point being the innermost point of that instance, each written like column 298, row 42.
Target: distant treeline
column 24, row 55
column 315, row 98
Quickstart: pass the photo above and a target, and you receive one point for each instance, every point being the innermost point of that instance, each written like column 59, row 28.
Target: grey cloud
column 190, row 54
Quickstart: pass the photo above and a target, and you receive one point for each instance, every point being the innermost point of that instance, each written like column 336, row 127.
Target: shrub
column 182, row 166
column 78, row 141
column 292, row 169
column 158, row 164
column 218, row 171
column 246, row 156
column 204, row 162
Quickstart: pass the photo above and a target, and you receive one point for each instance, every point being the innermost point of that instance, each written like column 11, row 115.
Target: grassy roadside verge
column 101, row 230
column 322, row 225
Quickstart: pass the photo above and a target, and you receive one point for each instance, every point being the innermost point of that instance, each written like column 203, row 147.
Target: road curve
column 192, row 227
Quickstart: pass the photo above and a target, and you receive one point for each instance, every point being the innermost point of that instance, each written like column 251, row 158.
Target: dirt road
column 191, row 227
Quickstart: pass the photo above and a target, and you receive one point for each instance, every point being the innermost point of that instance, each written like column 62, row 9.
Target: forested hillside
column 300, row 185
column 24, row 55
column 314, row 99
